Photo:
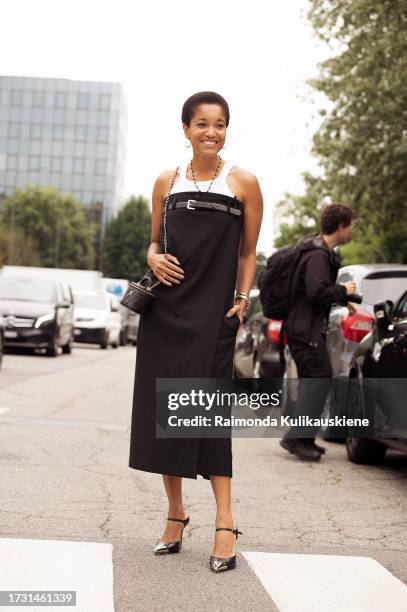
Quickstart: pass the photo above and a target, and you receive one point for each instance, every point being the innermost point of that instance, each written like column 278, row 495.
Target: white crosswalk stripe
column 59, row 565
column 325, row 583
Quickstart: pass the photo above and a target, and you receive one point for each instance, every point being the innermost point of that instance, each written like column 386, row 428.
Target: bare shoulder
column 164, row 179
column 163, row 182
column 245, row 185
column 245, row 177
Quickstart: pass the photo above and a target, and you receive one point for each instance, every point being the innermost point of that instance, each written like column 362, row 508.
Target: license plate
column 77, row 332
column 10, row 334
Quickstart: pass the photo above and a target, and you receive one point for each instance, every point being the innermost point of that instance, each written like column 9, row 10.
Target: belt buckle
column 189, row 204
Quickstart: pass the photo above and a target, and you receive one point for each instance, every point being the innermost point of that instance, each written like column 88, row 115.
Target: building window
column 36, row 131
column 14, row 130
column 35, row 163
column 38, row 98
column 103, row 133
column 56, row 164
column 78, row 165
column 99, row 196
column 58, row 131
column 104, row 102
column 81, row 133
column 83, row 101
column 16, row 97
column 101, row 165
column 60, row 99
column 12, row 162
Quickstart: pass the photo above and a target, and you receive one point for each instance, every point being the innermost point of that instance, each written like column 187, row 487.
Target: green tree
column 362, row 143
column 17, row 248
column 127, row 239
column 55, row 225
column 299, row 215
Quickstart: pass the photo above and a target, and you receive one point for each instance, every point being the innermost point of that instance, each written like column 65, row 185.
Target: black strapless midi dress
column 186, row 334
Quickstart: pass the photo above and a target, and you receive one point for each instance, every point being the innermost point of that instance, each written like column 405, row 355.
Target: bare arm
column 252, row 216
column 160, row 263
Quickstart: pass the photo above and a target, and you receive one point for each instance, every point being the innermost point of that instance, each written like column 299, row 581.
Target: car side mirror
column 383, row 312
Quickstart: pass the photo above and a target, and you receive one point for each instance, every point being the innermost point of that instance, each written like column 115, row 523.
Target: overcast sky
column 256, row 53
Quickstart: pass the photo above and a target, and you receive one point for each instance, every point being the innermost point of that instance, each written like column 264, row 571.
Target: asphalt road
column 64, row 441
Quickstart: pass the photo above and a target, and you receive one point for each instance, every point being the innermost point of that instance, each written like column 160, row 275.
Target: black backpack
column 275, row 281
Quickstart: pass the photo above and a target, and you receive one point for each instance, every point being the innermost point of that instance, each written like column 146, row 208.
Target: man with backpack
column 298, row 286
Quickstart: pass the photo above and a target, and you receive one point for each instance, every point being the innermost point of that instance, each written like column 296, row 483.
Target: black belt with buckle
column 195, row 204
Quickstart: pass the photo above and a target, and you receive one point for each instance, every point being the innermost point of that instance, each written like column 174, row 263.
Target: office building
column 64, row 133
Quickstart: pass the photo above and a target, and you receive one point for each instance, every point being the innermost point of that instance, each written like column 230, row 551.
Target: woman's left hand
column 239, row 308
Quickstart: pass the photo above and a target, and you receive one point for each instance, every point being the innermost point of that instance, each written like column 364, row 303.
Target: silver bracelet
column 243, row 296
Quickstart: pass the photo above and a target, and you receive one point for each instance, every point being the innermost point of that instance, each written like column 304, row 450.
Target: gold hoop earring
column 186, row 143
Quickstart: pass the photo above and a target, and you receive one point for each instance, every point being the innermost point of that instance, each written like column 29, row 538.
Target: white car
column 96, row 318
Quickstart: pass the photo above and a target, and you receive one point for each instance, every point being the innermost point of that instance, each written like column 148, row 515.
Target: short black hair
column 203, row 97
column 333, row 215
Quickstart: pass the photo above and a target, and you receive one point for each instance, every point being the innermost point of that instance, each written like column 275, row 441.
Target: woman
column 190, row 330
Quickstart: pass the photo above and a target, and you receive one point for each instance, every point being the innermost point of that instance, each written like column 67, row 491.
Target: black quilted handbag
column 138, row 297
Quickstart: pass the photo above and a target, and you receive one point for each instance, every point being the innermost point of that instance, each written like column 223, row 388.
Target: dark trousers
column 314, row 383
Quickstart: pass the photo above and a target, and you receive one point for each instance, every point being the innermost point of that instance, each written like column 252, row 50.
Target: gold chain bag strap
column 138, row 297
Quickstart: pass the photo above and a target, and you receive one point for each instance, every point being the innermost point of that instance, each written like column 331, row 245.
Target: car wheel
column 361, row 450
column 123, row 337
column 105, row 342
column 52, row 349
column 67, row 348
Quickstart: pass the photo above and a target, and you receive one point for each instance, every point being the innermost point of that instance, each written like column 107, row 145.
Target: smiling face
column 207, row 130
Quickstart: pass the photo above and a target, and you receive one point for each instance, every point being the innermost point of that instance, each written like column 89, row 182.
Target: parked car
column 38, row 313
column 257, row 344
column 132, row 325
column 96, row 318
column 129, row 320
column 375, row 282
column 378, row 385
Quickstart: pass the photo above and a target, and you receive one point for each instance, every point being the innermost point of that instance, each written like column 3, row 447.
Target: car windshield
column 96, row 301
column 380, row 289
column 27, row 289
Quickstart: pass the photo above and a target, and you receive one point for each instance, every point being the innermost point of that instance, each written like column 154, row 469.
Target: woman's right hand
column 166, row 268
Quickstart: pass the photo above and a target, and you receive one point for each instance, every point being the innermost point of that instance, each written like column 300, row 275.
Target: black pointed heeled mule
column 221, row 564
column 165, row 548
